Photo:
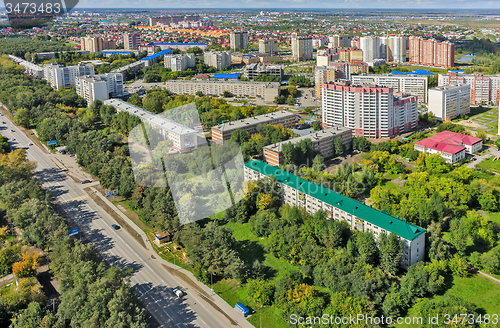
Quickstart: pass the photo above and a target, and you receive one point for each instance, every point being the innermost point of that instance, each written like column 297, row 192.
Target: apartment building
column 61, row 77
column 296, row 191
column 267, row 90
column 96, row 43
column 430, row 52
column 325, row 74
column 133, row 68
column 483, row 88
column 167, row 20
column 183, row 138
column 180, row 62
column 339, row 41
column 323, row 142
column 302, row 47
column 30, row 69
column 415, row 85
column 370, row 45
column 217, row 59
column 131, row 41
column 350, row 55
column 223, row 131
column 370, row 111
column 253, row 70
column 449, row 101
column 396, row 49
column 99, row 87
column 238, row 40
column 268, row 46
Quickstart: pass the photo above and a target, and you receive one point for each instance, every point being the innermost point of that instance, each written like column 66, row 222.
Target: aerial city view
column 249, row 164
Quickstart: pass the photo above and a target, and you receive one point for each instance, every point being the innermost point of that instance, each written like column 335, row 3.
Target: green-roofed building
column 313, row 197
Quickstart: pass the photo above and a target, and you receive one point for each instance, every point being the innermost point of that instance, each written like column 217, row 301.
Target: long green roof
column 367, row 213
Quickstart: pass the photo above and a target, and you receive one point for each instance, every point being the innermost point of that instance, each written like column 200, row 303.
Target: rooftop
column 148, row 117
column 176, row 44
column 314, row 136
column 379, row 218
column 449, row 87
column 264, row 118
column 453, row 138
column 158, row 54
column 440, row 146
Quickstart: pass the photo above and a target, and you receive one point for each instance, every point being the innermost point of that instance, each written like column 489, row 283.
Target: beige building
column 61, row 77
column 180, row 62
column 99, row 87
column 223, row 131
column 449, row 101
column 324, row 74
column 238, row 40
column 31, row 69
column 415, row 85
column 267, row 90
column 217, row 59
column 312, row 197
column 302, row 47
column 268, row 46
column 96, row 43
column 323, row 142
column 131, row 41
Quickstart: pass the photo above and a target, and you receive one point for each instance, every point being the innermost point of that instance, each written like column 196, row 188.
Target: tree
column 290, row 100
column 317, row 126
column 34, row 316
column 361, row 144
column 365, row 244
column 279, row 100
column 27, row 290
column 390, row 249
column 227, row 94
column 22, row 117
column 27, row 266
column 459, row 266
column 199, row 93
column 261, row 291
column 339, row 147
column 318, row 163
column 438, row 249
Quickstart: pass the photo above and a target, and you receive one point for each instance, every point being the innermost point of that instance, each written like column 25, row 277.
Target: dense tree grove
column 21, row 46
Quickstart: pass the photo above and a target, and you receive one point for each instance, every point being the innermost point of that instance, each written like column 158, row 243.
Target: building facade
column 96, row 43
column 238, row 40
column 131, row 41
column 415, row 85
column 302, row 47
column 370, row 111
column 253, row 70
column 396, row 49
column 180, row 62
column 339, row 41
column 267, row 90
column 370, row 45
column 449, row 101
column 430, row 52
column 217, row 59
column 325, row 74
column 483, row 88
column 323, row 142
column 296, row 191
column 31, row 69
column 61, row 77
column 223, row 131
column 268, row 46
column 99, row 87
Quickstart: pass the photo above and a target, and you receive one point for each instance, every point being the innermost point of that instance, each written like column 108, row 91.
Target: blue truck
column 243, row 309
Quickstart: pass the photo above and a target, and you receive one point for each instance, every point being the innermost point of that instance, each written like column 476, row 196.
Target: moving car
column 30, row 144
column 178, row 292
column 12, row 131
column 115, row 226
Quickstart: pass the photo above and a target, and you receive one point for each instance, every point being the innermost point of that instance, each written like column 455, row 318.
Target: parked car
column 115, row 226
column 178, row 292
column 12, row 131
column 30, row 144
column 86, row 181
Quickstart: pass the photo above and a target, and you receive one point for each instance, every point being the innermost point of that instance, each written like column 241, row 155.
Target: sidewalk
column 204, row 292
column 493, row 279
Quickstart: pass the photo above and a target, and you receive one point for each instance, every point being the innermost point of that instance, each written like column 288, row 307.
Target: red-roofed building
column 451, row 146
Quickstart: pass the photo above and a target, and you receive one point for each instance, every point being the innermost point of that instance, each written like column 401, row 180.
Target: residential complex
column 266, row 90
column 96, row 43
column 323, row 142
column 61, row 77
column 296, row 191
column 449, row 101
column 180, row 62
column 167, row 20
column 302, row 47
column 268, row 46
column 339, row 41
column 238, row 40
column 430, row 52
column 328, row 56
column 131, row 41
column 371, row 48
column 449, row 145
column 31, row 69
column 370, row 111
column 483, row 88
column 324, row 74
column 223, row 131
column 412, row 84
column 396, row 49
column 217, row 59
column 183, row 138
column 99, row 87
column 253, row 70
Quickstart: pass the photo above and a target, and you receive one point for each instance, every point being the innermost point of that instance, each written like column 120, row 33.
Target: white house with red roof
column 451, row 146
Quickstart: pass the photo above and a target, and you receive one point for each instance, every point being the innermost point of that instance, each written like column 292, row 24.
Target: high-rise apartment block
column 96, row 43
column 325, row 74
column 217, row 59
column 350, row 54
column 295, row 191
column 239, row 40
column 483, row 88
column 131, row 41
column 99, row 87
column 449, row 101
column 431, row 52
column 396, row 49
column 415, row 85
column 60, row 77
column 180, row 62
column 268, row 46
column 336, row 40
column 370, row 111
column 302, row 47
column 371, row 48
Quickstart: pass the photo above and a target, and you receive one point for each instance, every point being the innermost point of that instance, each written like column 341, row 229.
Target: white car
column 178, row 292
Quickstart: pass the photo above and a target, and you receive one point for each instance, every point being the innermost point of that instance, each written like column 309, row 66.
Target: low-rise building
column 182, row 137
column 180, row 62
column 449, row 101
column 253, row 70
column 223, row 131
column 133, row 67
column 99, row 87
column 451, row 146
column 267, row 90
column 323, row 142
column 31, row 69
column 296, row 191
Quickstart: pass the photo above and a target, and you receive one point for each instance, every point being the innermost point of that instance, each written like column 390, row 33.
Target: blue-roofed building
column 155, row 58
column 397, row 72
column 421, row 72
column 229, row 76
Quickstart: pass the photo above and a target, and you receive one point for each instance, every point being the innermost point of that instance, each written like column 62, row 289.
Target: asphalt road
column 150, row 280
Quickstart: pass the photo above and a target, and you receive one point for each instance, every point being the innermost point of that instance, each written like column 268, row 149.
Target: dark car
column 115, row 226
column 12, row 131
column 86, row 181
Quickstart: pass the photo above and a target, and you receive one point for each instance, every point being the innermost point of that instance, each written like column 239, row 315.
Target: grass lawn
column 5, row 290
column 490, row 164
column 391, row 185
column 391, row 176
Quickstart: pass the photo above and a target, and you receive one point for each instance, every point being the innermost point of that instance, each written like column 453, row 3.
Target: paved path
column 492, row 151
column 494, row 280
